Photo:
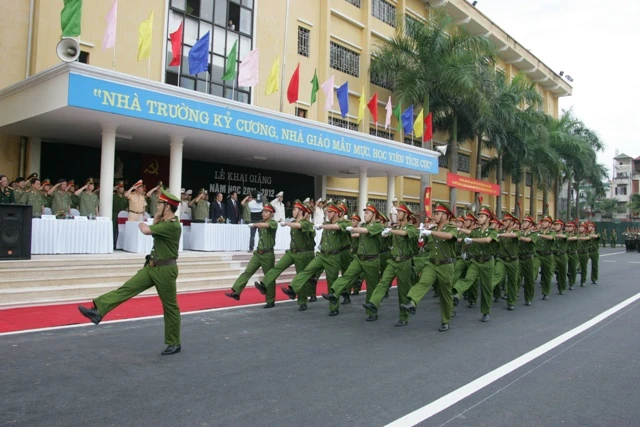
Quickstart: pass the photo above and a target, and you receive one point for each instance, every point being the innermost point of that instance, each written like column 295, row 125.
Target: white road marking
column 467, row 390
column 609, row 261
column 613, row 253
column 633, row 262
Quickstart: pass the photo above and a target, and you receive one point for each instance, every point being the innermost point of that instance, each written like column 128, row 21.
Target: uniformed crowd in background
column 471, row 257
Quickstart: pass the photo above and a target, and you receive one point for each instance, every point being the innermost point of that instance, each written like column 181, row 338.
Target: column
column 175, row 164
column 323, row 191
column 34, row 156
column 107, row 163
column 363, row 192
column 391, row 190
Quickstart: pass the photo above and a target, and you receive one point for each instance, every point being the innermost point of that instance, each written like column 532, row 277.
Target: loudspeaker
column 68, row 50
column 15, row 232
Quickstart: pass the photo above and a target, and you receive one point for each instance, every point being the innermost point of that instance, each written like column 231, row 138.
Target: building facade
column 330, row 37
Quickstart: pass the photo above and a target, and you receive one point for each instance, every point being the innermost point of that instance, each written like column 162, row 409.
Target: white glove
column 385, row 233
column 421, row 226
column 317, row 227
column 251, row 225
column 282, row 223
column 387, row 230
column 430, row 226
column 426, row 232
column 468, row 240
column 349, row 228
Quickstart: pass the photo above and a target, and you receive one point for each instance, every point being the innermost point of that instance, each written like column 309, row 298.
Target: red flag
column 294, row 85
column 176, row 46
column 373, row 107
column 428, row 131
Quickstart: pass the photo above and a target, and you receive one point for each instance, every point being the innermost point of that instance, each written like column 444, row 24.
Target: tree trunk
column 569, row 198
column 577, row 181
column 478, row 165
column 556, row 196
column 533, row 199
column 545, row 199
column 453, row 163
column 499, row 179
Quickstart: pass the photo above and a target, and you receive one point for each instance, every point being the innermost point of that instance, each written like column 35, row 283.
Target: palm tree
column 634, row 203
column 437, row 65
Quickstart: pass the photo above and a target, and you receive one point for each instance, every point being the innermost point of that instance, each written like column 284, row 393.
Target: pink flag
column 327, row 88
column 389, row 109
column 109, row 39
column 248, row 74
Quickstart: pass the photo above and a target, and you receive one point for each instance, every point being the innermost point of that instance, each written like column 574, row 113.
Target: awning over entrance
column 72, row 103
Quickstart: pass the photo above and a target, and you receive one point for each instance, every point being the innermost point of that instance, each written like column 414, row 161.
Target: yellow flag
column 418, row 125
column 274, row 76
column 145, row 31
column 361, row 106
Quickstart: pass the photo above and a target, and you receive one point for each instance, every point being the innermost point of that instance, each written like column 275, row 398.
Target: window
column 84, row 57
column 346, row 124
column 411, row 141
column 485, row 168
column 303, row 41
column 443, row 160
column 464, row 163
column 356, row 3
column 381, row 80
column 621, row 191
column 528, row 178
column 301, row 112
column 345, row 60
column 410, row 24
column 380, row 133
column 384, row 11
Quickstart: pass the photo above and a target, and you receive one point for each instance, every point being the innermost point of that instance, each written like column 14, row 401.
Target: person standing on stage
column 137, row 202
column 279, row 207
column 61, row 201
column 88, row 202
column 160, row 270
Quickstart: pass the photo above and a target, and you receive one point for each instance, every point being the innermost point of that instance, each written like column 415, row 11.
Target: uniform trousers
column 371, row 270
column 482, row 271
column 402, row 272
column 331, row 266
column 572, row 267
column 527, row 273
column 431, row 274
column 583, row 259
column 595, row 257
column 266, row 261
column 547, row 268
column 561, row 271
column 300, row 260
column 507, row 271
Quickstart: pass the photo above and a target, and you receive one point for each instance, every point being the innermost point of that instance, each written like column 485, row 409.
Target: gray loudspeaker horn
column 68, row 50
column 442, row 149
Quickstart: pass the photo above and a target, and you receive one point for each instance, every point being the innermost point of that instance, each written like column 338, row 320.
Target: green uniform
column 526, row 252
column 263, row 257
column 439, row 267
column 507, row 266
column 594, row 255
column 544, row 250
column 120, row 203
column 481, row 267
column 201, row 211
column 300, row 254
column 37, row 202
column 75, row 200
column 61, row 202
column 604, row 238
column 367, row 261
column 572, row 260
column 560, row 245
column 385, row 252
column 20, row 196
column 166, row 241
column 88, row 203
column 328, row 259
column 614, row 239
column 583, row 258
column 398, row 266
column 152, row 204
column 7, row 195
column 246, row 214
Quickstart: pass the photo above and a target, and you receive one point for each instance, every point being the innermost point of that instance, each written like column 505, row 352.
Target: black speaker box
column 15, row 232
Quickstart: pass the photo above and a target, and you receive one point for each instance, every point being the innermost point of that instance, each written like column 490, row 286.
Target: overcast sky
column 597, row 44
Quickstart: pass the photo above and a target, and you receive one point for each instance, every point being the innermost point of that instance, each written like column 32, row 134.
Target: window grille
column 345, row 60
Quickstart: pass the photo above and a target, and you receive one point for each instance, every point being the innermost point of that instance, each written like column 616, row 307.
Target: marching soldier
column 403, row 244
column 328, row 259
column 526, row 252
column 481, row 267
column 6, row 192
column 506, row 265
column 470, row 223
column 584, row 243
column 594, row 254
column 263, row 257
column 160, row 270
column 61, row 201
column 572, row 253
column 439, row 265
column 347, row 256
column 367, row 260
column 88, row 201
column 300, row 254
column 560, row 245
column 546, row 260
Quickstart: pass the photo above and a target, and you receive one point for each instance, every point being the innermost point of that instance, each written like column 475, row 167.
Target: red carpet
column 44, row 316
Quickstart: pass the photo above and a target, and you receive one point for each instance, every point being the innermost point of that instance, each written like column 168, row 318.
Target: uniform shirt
column 201, row 210
column 572, row 245
column 153, row 203
column 404, row 245
column 88, row 203
column 166, row 239
column 267, row 236
column 480, row 249
column 385, row 244
column 508, row 247
column 544, row 245
column 369, row 244
column 246, row 213
column 137, row 203
column 37, row 202
column 440, row 249
column 594, row 244
column 279, row 206
column 560, row 245
column 20, row 196
column 302, row 238
column 331, row 240
column 61, row 202
column 528, row 248
column 120, row 203
column 7, row 196
column 75, row 200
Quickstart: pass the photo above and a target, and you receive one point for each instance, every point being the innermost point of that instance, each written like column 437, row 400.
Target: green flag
column 71, row 17
column 315, row 86
column 397, row 113
column 230, row 70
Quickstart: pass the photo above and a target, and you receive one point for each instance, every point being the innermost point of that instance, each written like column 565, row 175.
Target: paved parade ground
column 246, row 366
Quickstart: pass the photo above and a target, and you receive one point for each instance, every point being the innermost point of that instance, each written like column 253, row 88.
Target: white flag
column 327, row 88
column 389, row 109
column 248, row 73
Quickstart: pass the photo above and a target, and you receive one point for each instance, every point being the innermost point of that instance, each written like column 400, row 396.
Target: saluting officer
column 160, row 270
column 35, row 198
column 88, row 201
column 61, row 201
column 6, row 192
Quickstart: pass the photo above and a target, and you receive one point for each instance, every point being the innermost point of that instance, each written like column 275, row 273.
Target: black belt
column 368, row 257
column 139, row 213
column 299, row 251
column 508, row 258
column 402, row 258
column 441, row 261
column 525, row 257
column 482, row 258
column 344, row 248
column 264, row 251
column 545, row 253
column 331, row 252
column 152, row 262
column 559, row 253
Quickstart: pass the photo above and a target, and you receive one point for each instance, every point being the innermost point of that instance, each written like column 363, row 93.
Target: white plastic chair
column 74, row 212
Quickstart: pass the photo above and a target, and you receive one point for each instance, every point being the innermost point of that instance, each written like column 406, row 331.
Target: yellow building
column 332, row 37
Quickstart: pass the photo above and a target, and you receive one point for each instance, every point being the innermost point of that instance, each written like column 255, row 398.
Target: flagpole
column 284, row 56
column 114, row 56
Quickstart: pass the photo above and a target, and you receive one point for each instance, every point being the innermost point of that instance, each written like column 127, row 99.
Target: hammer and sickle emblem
column 152, row 169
